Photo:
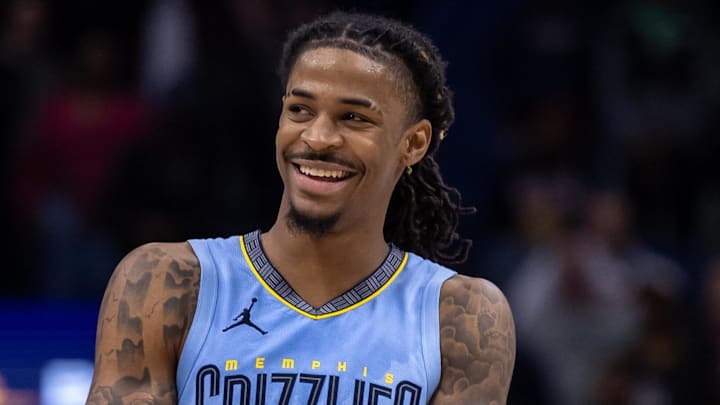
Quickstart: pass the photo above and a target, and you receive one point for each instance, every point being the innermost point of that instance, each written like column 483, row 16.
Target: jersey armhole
column 203, row 317
column 431, row 328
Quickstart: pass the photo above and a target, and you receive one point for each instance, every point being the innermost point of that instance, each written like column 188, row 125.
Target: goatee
column 315, row 227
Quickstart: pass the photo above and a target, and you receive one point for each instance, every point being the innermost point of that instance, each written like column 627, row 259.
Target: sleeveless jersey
column 254, row 340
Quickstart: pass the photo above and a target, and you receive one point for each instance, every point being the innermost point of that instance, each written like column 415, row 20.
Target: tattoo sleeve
column 144, row 318
column 477, row 339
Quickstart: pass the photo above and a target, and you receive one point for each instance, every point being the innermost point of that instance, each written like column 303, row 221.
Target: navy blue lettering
column 359, row 392
column 231, row 382
column 406, row 389
column 237, row 389
column 377, row 391
column 288, row 381
column 317, row 381
column 333, row 390
column 211, row 372
column 261, row 389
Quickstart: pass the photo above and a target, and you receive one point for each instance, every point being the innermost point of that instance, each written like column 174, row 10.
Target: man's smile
column 320, row 177
column 322, row 174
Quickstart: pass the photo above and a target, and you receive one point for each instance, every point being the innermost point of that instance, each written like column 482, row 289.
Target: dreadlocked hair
column 423, row 213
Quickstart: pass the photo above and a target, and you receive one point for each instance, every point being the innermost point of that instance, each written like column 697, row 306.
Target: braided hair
column 423, row 213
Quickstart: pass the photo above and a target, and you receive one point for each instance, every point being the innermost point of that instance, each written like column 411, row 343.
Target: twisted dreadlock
column 423, row 213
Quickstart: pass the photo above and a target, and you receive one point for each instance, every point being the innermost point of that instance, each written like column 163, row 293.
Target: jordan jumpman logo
column 244, row 319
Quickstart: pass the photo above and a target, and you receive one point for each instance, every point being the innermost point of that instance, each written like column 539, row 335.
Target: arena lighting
column 65, row 381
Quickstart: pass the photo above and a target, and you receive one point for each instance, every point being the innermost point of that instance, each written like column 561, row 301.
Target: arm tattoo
column 477, row 337
column 144, row 318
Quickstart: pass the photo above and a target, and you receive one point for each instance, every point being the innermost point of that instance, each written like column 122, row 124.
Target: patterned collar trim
column 353, row 298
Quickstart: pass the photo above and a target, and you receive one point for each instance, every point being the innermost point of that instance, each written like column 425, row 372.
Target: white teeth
column 311, row 171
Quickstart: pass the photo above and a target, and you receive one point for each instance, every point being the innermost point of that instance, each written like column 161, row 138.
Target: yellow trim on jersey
column 331, row 314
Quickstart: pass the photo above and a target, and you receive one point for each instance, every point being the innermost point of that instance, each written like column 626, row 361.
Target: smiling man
column 348, row 298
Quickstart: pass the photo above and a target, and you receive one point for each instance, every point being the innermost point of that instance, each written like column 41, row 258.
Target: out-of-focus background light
column 65, row 381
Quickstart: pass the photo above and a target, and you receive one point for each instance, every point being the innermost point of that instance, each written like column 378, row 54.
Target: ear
column 415, row 142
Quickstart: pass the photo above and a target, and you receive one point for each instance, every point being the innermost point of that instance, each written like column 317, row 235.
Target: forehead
column 335, row 70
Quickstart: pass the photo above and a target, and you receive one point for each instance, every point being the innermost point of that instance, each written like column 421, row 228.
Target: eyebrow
column 362, row 102
column 302, row 93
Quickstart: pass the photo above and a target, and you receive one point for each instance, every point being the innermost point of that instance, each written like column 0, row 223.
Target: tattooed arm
column 144, row 319
column 477, row 343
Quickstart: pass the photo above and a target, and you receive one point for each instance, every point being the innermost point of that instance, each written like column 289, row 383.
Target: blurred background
column 585, row 136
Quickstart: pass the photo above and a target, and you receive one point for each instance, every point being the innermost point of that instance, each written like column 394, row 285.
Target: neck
column 322, row 268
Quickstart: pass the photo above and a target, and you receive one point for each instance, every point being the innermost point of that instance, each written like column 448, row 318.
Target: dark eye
column 298, row 112
column 354, row 117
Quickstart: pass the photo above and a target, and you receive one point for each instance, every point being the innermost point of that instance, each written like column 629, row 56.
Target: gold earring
column 408, row 170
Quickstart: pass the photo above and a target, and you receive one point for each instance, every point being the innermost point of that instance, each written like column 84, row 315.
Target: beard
column 315, row 227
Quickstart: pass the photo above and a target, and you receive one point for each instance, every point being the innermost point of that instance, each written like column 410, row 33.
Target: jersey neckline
column 360, row 294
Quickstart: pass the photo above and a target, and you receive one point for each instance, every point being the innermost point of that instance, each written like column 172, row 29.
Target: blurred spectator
column 706, row 207
column 705, row 344
column 65, row 161
column 169, row 47
column 25, row 71
column 576, row 295
column 655, row 70
column 209, row 169
column 24, row 53
column 656, row 87
column 544, row 123
column 542, row 62
column 653, row 368
column 544, row 150
column 469, row 45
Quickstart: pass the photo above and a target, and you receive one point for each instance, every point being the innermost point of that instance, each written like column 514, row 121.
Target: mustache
column 322, row 157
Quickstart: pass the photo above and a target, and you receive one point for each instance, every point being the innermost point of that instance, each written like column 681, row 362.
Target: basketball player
column 346, row 299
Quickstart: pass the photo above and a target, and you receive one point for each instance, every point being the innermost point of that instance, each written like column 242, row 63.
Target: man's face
column 340, row 136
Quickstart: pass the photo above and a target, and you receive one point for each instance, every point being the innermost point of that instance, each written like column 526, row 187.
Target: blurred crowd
column 585, row 136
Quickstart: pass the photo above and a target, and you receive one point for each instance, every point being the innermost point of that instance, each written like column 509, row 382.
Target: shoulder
column 156, row 270
column 156, row 280
column 159, row 274
column 471, row 293
column 144, row 318
column 157, row 257
column 477, row 340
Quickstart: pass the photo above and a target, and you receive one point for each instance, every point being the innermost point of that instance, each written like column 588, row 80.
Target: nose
column 322, row 134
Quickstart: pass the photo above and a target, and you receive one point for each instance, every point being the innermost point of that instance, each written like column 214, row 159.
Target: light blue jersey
column 254, row 340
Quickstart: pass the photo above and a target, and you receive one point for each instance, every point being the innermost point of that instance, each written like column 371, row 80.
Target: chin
column 311, row 224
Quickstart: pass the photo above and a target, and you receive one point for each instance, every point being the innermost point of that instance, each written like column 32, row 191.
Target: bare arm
column 477, row 340
column 144, row 319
